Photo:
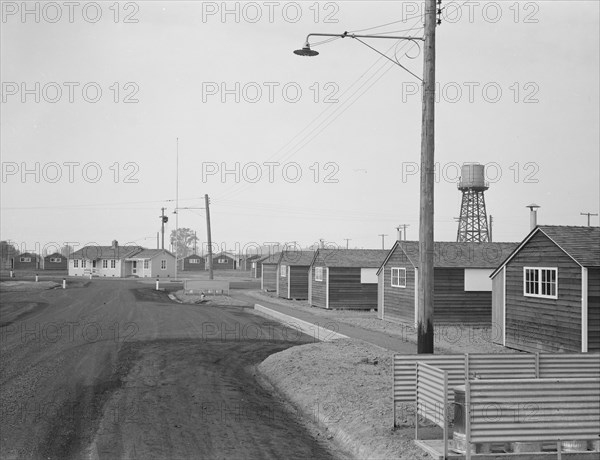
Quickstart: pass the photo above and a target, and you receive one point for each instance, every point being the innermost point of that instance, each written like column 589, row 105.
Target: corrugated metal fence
column 431, row 391
column 461, row 367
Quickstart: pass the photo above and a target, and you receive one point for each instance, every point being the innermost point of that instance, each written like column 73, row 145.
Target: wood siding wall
column 540, row 324
column 299, row 282
column 497, row 331
column 593, row 309
column 452, row 304
column 399, row 302
column 347, row 292
column 269, row 273
column 318, row 289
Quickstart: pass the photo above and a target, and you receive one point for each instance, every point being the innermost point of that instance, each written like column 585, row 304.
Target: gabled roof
column 149, row 254
column 364, row 258
column 451, row 254
column 105, row 252
column 582, row 244
column 272, row 259
column 55, row 254
column 28, row 254
column 223, row 254
column 194, row 256
column 297, row 257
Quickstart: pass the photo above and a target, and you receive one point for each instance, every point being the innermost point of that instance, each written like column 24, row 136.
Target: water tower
column 472, row 223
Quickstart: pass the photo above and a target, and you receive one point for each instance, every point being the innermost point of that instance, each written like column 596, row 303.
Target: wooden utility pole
column 404, row 230
column 426, row 245
column 382, row 240
column 588, row 214
column 208, row 237
column 163, row 219
column 347, row 242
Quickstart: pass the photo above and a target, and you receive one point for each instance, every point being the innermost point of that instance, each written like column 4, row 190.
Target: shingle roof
column 451, row 254
column 194, row 256
column 272, row 259
column 148, row 253
column 364, row 258
column 105, row 252
column 581, row 243
column 297, row 257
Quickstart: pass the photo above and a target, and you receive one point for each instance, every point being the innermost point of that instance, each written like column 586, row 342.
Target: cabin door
column 134, row 267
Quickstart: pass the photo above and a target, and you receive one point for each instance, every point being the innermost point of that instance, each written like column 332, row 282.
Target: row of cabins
column 31, row 261
column 540, row 295
column 222, row 261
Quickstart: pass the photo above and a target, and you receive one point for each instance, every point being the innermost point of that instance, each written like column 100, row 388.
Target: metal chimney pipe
column 532, row 215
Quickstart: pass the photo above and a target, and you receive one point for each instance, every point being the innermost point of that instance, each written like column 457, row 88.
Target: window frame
column 540, row 283
column 283, row 271
column 113, row 263
column 319, row 273
column 399, row 279
column 163, row 264
column 104, row 263
column 75, row 263
column 146, row 264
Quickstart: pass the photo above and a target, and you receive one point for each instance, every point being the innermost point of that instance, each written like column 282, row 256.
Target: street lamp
column 426, row 244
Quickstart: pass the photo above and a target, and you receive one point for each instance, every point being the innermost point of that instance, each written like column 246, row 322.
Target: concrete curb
column 320, row 333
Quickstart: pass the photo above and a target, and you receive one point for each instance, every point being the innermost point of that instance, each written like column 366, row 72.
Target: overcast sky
column 322, row 147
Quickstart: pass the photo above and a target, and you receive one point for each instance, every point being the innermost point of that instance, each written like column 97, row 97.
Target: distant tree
column 183, row 241
column 66, row 250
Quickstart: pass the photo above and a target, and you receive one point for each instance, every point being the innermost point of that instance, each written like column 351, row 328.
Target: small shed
column 27, row 261
column 461, row 283
column 55, row 261
column 193, row 263
column 224, row 261
column 546, row 294
column 247, row 261
column 268, row 278
column 345, row 278
column 256, row 267
column 293, row 274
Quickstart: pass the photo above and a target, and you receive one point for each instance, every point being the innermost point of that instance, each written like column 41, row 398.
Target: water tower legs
column 472, row 224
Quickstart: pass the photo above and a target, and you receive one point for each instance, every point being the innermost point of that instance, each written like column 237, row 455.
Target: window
column 194, row 261
column 283, row 271
column 94, row 262
column 318, row 273
column 146, row 264
column 75, row 263
column 104, row 263
column 222, row 261
column 83, row 262
column 399, row 277
column 113, row 263
column 163, row 264
column 540, row 282
column 25, row 259
column 55, row 260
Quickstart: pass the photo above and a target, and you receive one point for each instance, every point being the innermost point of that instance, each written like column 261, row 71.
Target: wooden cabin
column 269, row 272
column 462, row 286
column 345, row 278
column 27, row 261
column 293, row 274
column 224, row 261
column 56, row 261
column 546, row 294
column 256, row 267
column 247, row 261
column 193, row 263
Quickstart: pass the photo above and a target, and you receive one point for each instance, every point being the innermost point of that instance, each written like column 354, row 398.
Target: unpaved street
column 113, row 369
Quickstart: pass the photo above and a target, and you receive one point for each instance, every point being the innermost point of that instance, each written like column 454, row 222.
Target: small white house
column 121, row 261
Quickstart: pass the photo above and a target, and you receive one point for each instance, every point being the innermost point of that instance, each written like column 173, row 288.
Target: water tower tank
column 472, row 176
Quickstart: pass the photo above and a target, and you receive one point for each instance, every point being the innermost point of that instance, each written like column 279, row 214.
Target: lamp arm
column 346, row 34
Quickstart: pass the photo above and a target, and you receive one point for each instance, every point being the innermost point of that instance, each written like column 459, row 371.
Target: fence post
column 64, row 284
column 12, row 274
column 36, row 278
column 157, row 283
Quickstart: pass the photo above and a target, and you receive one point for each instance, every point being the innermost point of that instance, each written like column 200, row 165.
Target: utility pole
column 163, row 220
column 157, row 240
column 177, row 210
column 426, row 244
column 588, row 214
column 490, row 229
column 347, row 241
column 208, row 237
column 382, row 240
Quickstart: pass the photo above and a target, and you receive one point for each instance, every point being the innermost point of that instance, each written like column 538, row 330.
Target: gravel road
column 113, row 369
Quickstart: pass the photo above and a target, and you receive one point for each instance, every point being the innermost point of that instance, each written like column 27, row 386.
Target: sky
column 111, row 111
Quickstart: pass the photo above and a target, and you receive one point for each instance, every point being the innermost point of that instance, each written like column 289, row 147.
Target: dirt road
column 114, row 369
